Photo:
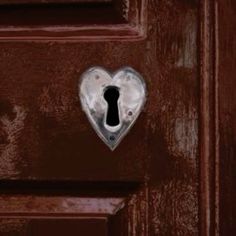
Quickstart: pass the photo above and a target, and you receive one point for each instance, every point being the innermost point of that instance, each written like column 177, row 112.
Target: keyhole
column 111, row 96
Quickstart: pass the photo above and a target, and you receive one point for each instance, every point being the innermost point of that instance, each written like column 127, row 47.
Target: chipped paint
column 9, row 159
column 186, row 58
column 177, row 200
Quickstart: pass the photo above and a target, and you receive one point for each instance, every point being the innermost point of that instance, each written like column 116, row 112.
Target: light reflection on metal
column 132, row 96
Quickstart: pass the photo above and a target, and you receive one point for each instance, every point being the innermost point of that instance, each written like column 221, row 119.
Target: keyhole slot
column 111, row 95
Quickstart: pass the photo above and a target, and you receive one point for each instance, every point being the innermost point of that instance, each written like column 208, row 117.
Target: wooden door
column 173, row 174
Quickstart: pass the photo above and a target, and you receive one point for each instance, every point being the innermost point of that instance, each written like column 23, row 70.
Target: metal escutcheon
column 112, row 101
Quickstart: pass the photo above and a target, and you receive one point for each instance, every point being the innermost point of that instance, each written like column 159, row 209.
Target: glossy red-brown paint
column 208, row 122
column 78, row 20
column 218, row 212
column 168, row 176
column 227, row 115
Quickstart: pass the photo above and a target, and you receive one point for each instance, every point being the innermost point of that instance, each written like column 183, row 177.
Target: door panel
column 161, row 178
column 72, row 209
column 59, row 227
column 73, row 20
column 46, row 136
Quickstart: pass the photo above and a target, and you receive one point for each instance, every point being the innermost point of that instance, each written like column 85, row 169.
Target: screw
column 130, row 113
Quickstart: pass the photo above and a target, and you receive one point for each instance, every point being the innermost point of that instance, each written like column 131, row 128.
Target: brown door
column 173, row 174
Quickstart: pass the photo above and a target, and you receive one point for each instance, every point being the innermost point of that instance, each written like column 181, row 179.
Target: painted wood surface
column 174, row 172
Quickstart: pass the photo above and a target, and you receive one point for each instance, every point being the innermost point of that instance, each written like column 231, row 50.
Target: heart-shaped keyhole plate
column 112, row 101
